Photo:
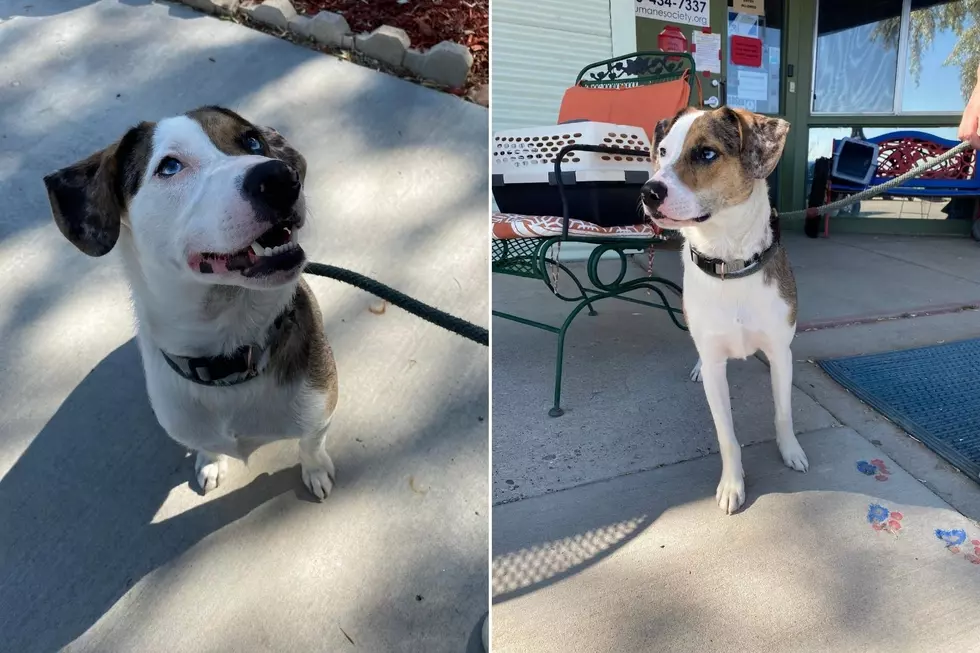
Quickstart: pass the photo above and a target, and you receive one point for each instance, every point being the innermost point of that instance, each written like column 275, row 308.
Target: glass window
column 857, row 56
column 942, row 55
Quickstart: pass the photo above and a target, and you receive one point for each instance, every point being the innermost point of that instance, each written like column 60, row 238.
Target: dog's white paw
column 696, row 372
column 210, row 470
column 319, row 477
column 793, row 454
column 731, row 492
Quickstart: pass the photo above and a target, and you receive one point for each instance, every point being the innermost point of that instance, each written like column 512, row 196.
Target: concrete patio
column 104, row 545
column 606, row 532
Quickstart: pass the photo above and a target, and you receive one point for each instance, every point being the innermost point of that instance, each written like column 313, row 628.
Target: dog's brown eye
column 663, row 151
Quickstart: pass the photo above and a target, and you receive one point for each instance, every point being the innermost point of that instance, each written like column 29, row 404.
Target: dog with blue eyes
column 709, row 183
column 207, row 214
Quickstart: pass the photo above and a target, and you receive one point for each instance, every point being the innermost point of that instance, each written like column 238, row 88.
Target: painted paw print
column 883, row 519
column 954, row 540
column 876, row 467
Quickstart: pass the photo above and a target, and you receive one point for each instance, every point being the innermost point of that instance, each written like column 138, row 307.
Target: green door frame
column 798, row 49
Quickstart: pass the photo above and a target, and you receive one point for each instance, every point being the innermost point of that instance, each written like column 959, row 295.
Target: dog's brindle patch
column 89, row 198
column 302, row 348
column 723, row 181
column 777, row 270
column 229, row 131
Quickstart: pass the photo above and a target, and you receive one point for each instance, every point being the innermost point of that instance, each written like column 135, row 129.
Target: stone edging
column 447, row 63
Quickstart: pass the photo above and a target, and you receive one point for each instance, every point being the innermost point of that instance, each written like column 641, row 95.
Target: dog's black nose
column 272, row 185
column 653, row 193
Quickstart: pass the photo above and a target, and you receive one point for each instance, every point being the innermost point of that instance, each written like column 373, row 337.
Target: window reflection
column 857, row 56
column 943, row 53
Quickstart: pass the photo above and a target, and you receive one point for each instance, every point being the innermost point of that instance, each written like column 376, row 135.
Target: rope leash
column 428, row 313
column 817, row 211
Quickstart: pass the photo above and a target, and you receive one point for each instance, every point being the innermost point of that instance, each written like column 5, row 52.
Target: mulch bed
column 426, row 22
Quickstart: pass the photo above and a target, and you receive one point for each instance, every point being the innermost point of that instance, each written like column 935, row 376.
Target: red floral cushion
column 512, row 225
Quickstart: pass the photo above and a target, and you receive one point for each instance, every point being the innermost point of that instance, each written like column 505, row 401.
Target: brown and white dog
column 709, row 183
column 207, row 211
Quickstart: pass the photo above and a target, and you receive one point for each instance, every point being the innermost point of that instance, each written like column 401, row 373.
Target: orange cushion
column 507, row 226
column 637, row 106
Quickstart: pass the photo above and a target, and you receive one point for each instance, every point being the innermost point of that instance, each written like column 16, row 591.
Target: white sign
column 707, row 52
column 686, row 12
column 753, row 85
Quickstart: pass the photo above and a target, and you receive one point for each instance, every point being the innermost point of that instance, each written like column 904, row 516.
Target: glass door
column 753, row 58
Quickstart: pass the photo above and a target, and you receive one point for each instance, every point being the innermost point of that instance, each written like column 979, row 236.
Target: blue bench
column 899, row 152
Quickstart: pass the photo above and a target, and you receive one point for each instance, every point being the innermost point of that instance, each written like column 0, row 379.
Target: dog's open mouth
column 663, row 221
column 275, row 250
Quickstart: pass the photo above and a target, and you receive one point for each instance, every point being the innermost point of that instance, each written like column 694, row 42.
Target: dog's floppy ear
column 763, row 139
column 280, row 149
column 88, row 199
column 85, row 203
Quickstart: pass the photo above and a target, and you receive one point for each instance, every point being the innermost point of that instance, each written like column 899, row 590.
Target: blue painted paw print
column 952, row 538
column 876, row 467
column 883, row 519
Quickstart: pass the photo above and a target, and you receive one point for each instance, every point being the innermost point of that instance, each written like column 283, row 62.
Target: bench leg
column 556, row 410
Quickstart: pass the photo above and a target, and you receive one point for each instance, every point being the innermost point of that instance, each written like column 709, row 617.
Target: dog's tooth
column 257, row 249
column 268, row 251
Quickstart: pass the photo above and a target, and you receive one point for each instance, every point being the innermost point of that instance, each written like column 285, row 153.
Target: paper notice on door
column 753, row 85
column 743, row 24
column 757, row 7
column 707, row 52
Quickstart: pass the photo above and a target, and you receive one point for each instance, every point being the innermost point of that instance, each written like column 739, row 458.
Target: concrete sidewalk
column 648, row 562
column 103, row 544
column 584, row 502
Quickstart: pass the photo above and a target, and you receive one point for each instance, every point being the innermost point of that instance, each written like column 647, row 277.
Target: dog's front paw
column 696, row 372
column 210, row 470
column 319, row 477
column 793, row 454
column 731, row 492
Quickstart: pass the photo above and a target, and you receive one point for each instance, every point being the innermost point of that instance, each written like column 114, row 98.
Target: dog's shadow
column 77, row 509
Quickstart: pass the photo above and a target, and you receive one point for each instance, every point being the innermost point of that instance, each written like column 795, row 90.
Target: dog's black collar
column 721, row 269
column 238, row 367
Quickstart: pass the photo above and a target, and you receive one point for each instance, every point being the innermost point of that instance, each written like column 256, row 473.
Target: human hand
column 970, row 123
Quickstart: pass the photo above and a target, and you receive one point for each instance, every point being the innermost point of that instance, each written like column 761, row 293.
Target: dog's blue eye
column 169, row 166
column 663, row 151
column 253, row 144
column 708, row 155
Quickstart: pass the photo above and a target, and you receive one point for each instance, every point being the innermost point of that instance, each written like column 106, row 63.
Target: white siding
column 538, row 48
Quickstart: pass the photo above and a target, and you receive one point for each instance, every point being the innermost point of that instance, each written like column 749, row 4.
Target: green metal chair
column 538, row 258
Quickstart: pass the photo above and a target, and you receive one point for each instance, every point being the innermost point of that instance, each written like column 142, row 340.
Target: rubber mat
column 931, row 392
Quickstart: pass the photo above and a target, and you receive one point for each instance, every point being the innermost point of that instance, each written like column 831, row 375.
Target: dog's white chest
column 736, row 318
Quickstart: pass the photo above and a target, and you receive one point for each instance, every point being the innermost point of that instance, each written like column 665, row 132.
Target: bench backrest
column 900, row 151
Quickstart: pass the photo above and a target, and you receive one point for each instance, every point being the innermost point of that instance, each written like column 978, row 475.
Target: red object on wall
column 746, row 51
column 672, row 39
